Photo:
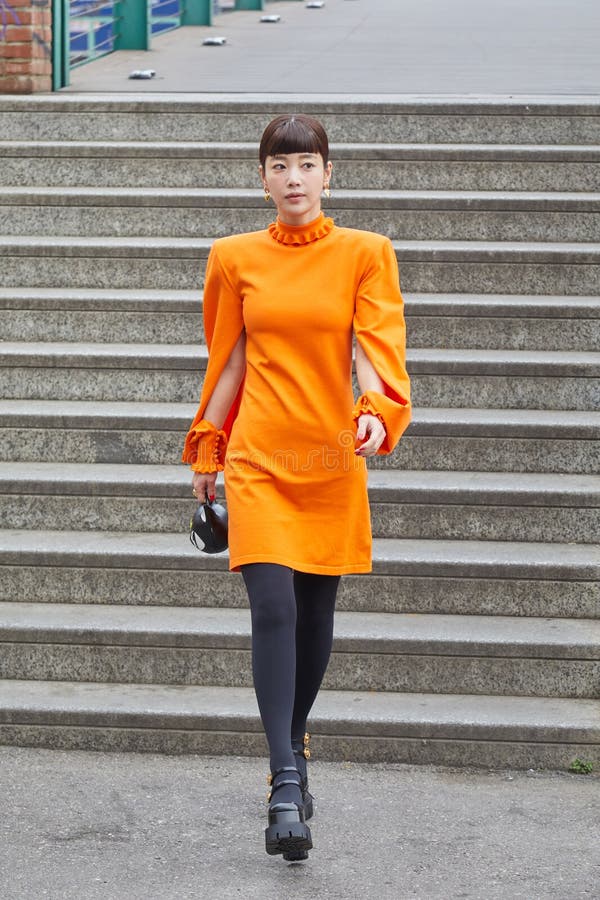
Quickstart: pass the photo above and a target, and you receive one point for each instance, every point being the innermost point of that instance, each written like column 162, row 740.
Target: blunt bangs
column 293, row 134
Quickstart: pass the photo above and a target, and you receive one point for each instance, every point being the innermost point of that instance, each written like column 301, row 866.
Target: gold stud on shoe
column 306, row 750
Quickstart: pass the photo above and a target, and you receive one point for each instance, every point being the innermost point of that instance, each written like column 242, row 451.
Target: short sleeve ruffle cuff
column 301, row 234
column 205, row 448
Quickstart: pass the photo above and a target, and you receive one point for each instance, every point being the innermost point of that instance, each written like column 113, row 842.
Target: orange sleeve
column 223, row 324
column 380, row 329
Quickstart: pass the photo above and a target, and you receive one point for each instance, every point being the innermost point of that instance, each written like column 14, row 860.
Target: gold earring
column 326, row 191
column 267, row 195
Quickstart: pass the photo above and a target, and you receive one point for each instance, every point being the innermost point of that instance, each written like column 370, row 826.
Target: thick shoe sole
column 298, row 856
column 288, row 837
column 301, row 855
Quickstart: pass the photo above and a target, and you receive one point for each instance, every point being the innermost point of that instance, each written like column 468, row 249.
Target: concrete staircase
column 476, row 640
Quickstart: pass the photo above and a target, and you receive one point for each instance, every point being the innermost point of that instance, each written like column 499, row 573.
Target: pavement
column 81, row 825
column 465, row 47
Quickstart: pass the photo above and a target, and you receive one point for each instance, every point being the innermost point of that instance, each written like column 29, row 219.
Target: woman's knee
column 271, row 595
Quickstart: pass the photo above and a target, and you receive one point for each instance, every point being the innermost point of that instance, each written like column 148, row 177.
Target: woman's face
column 295, row 182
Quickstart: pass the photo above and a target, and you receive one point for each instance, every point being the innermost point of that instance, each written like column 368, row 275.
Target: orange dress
column 295, row 490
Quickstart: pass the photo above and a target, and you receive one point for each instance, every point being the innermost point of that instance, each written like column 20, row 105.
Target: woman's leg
column 315, row 606
column 273, row 609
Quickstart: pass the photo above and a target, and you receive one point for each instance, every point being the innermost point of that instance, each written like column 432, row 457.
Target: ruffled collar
column 301, row 234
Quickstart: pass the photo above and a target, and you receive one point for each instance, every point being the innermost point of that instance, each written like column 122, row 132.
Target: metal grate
column 92, row 30
column 165, row 15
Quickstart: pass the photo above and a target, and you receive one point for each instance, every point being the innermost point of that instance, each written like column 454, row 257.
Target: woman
column 277, row 413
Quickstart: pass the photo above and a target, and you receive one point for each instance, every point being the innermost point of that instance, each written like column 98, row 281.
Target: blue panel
column 92, row 30
column 165, row 15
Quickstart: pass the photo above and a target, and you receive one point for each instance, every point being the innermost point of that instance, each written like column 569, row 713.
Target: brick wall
column 25, row 46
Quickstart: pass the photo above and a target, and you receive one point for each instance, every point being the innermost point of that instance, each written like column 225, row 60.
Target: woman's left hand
column 371, row 428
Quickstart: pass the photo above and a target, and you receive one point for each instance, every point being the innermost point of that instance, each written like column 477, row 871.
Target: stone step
column 178, row 263
column 431, row 505
column 460, row 167
column 517, row 379
column 371, row 652
column 513, row 322
column 485, row 506
column 498, row 440
column 105, row 315
column 217, row 212
column 492, row 440
column 362, row 119
column 412, row 576
column 458, row 730
column 433, row 320
column 476, row 559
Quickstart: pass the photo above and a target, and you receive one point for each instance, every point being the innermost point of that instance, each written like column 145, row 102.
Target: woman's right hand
column 204, row 486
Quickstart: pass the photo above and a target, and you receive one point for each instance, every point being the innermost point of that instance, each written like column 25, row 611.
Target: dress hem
column 297, row 566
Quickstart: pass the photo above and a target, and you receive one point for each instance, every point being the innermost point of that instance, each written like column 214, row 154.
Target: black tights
column 292, row 632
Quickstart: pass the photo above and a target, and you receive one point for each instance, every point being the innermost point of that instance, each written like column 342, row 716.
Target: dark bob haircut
column 293, row 133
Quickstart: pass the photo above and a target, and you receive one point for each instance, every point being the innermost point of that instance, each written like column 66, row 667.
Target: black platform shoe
column 302, row 754
column 287, row 831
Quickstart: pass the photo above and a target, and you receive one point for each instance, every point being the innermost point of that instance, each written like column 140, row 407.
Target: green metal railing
column 92, row 25
column 165, row 15
column 84, row 30
column 60, row 44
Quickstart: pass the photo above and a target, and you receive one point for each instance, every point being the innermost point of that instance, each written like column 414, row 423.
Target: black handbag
column 208, row 528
